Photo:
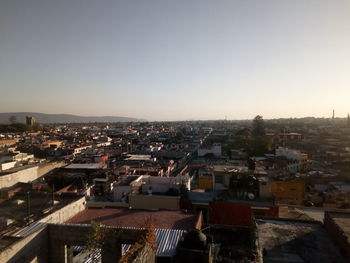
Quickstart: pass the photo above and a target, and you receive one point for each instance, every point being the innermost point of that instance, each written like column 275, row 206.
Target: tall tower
column 333, row 116
column 348, row 121
column 30, row 121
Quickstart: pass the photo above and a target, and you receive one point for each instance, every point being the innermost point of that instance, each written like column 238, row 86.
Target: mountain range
column 62, row 118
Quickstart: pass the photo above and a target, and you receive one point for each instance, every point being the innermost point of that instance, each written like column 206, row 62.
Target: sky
column 176, row 60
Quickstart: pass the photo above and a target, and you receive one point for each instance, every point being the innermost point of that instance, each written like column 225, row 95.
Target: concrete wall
column 23, row 176
column 26, row 175
column 106, row 204
column 77, row 235
column 158, row 188
column 66, row 212
column 31, row 249
column 119, row 190
column 8, row 165
column 47, row 167
column 337, row 234
column 154, row 202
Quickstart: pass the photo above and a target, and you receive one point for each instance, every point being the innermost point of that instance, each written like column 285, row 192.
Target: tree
column 258, row 126
column 242, row 184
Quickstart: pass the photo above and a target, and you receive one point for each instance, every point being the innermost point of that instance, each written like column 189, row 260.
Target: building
column 289, row 192
column 214, row 150
column 205, row 179
column 30, row 121
column 290, row 136
column 297, row 161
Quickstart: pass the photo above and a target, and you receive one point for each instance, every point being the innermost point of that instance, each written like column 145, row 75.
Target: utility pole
column 53, row 195
column 28, row 204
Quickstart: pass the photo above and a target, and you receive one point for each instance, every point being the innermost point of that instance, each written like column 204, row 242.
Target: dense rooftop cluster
column 216, row 191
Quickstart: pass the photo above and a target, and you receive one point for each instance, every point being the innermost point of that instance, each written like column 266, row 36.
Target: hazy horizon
column 176, row 60
column 175, row 120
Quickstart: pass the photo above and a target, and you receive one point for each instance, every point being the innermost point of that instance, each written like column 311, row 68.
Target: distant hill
column 62, row 118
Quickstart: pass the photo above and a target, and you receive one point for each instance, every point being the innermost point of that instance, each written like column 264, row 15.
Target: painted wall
column 205, row 182
column 288, row 192
column 231, row 214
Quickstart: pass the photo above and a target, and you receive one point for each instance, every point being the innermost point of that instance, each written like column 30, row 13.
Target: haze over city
column 176, row 60
column 161, row 131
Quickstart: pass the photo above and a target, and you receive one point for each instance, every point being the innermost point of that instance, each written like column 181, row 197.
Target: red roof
column 125, row 217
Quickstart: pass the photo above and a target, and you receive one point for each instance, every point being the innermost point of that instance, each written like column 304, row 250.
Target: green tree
column 96, row 239
column 258, row 126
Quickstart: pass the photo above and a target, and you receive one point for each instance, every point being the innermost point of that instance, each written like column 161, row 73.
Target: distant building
column 300, row 160
column 215, row 150
column 290, row 136
column 30, row 120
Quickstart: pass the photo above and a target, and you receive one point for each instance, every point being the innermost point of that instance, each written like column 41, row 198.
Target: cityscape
column 174, row 131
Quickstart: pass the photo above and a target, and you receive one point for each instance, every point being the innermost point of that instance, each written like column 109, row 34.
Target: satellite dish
column 251, row 196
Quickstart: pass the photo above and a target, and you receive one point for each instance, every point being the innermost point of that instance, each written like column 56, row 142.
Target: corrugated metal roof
column 28, row 230
column 167, row 241
column 93, row 257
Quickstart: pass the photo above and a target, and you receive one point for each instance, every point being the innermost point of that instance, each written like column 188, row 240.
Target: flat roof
column 124, row 217
column 295, row 241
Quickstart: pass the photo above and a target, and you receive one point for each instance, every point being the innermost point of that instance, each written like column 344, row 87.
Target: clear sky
column 176, row 60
